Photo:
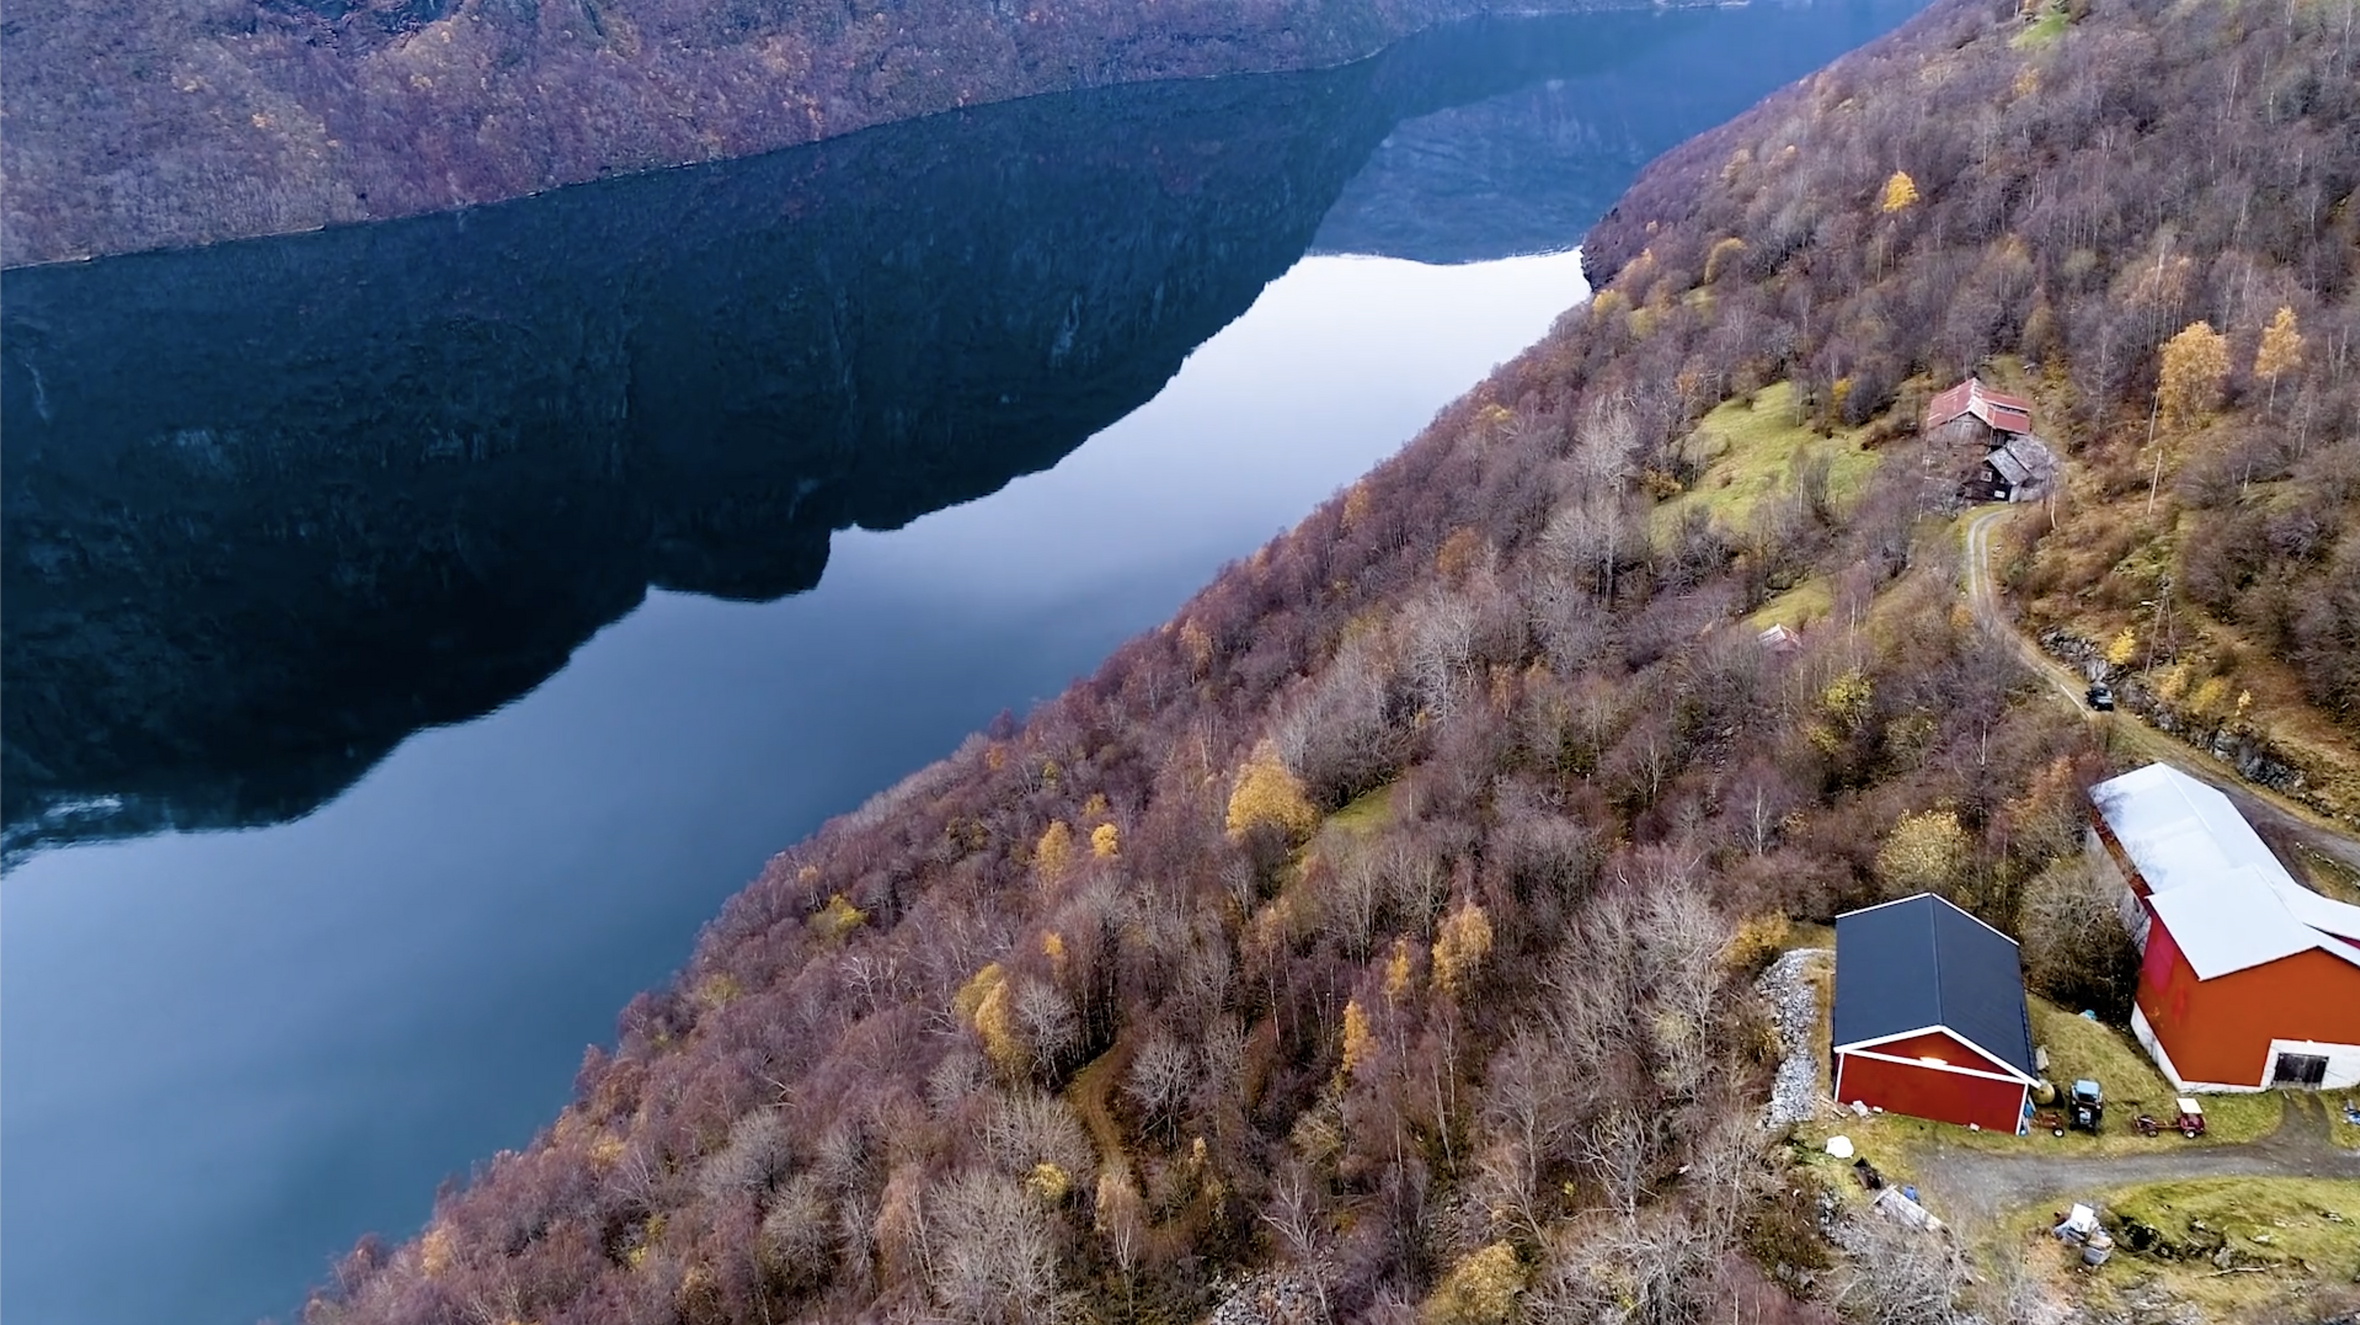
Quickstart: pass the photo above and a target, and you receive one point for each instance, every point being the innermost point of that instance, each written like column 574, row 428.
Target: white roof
column 2215, row 885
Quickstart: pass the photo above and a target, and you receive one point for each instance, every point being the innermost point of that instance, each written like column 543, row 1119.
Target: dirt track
column 1976, row 1186
column 2265, row 810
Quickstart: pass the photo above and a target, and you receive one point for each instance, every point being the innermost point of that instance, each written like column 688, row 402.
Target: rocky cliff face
column 135, row 126
column 269, row 507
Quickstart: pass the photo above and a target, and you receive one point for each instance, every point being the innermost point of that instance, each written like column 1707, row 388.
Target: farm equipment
column 2191, row 1119
column 2147, row 1125
column 2086, row 1112
column 2050, row 1120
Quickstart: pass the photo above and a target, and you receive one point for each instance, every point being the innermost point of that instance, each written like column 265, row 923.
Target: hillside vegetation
column 134, row 124
column 1383, row 927
column 2145, row 219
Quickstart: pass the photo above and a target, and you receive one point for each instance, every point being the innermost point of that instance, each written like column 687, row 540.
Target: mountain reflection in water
column 271, row 507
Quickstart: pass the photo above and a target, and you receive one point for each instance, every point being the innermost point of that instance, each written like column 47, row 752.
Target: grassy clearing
column 2342, row 1133
column 2041, row 32
column 2282, row 1235
column 1366, row 814
column 1797, row 607
column 2082, row 1048
column 1751, row 452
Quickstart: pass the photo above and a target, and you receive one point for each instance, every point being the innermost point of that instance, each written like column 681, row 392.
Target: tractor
column 2086, row 1112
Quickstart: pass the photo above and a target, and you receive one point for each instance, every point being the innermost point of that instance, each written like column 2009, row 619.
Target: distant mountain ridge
column 137, row 126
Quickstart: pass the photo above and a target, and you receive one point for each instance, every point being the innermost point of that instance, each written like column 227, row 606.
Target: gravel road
column 1963, row 1185
column 1983, row 599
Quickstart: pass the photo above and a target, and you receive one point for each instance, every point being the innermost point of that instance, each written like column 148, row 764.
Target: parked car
column 2101, row 697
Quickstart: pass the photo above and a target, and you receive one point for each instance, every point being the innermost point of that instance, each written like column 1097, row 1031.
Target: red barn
column 1971, row 399
column 1929, row 1015
column 2247, row 979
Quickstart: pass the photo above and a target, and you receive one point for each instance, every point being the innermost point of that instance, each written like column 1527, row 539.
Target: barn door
column 2300, row 1070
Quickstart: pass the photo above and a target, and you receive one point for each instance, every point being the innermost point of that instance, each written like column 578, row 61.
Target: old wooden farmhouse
column 2248, row 979
column 1929, row 1015
column 2015, row 465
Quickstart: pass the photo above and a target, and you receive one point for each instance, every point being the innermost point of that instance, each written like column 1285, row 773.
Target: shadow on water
column 273, row 506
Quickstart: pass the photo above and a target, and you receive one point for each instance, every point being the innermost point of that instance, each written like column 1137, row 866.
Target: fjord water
column 410, row 634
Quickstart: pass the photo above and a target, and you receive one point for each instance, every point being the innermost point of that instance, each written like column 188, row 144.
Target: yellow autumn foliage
column 995, row 1024
column 1106, row 841
column 1053, row 853
column 1049, row 1182
column 2281, row 350
column 1198, row 645
column 1720, row 255
column 838, row 918
column 1848, row 699
column 1461, row 946
column 716, row 991
column 1758, row 941
column 1399, row 978
column 1900, row 191
column 1924, row 852
column 1480, row 1290
column 2195, row 367
column 971, row 994
column 435, row 1251
column 1356, row 505
column 2122, row 648
column 1267, row 794
column 1358, row 1040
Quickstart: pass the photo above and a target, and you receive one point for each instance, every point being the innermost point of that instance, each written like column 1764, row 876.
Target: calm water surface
column 413, row 634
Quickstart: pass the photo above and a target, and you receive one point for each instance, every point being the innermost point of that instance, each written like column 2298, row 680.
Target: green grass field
column 2042, row 31
column 2285, row 1235
column 1797, row 607
column 1752, row 453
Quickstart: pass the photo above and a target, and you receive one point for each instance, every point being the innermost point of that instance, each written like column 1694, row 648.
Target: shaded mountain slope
column 136, row 125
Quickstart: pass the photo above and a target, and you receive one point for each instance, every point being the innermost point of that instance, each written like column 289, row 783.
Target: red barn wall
column 2219, row 1030
column 1923, row 1091
column 1935, row 1044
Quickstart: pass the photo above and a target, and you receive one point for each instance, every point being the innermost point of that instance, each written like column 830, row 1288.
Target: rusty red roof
column 2002, row 412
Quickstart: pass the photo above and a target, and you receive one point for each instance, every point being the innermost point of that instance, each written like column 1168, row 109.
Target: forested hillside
column 2147, row 222
column 136, row 125
column 1385, row 924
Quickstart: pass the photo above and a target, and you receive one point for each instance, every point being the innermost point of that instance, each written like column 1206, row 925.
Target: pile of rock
column 1794, row 1009
column 1274, row 1297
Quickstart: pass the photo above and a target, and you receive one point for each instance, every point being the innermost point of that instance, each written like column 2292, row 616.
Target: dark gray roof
column 1921, row 962
column 2009, row 467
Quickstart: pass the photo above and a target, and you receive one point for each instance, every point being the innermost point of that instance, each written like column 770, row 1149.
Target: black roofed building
column 1929, row 1015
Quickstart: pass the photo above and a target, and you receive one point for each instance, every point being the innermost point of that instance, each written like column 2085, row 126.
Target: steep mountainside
column 138, row 125
column 1386, row 922
column 2149, row 225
